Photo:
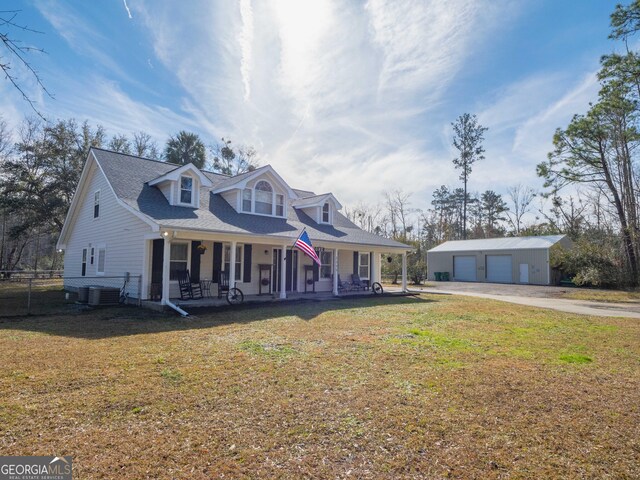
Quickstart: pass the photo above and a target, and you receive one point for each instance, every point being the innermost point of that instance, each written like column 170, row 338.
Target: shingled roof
column 129, row 176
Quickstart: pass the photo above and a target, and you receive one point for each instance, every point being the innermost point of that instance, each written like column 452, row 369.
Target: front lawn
column 433, row 386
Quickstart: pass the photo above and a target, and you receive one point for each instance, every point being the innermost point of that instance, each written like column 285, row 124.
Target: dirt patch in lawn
column 427, row 387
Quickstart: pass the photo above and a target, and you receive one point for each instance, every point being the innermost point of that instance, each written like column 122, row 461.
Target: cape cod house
column 155, row 219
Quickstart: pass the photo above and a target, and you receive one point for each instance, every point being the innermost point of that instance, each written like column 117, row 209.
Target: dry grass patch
column 426, row 387
column 608, row 296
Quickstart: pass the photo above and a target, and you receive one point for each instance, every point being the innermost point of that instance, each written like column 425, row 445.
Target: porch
column 261, row 268
column 214, row 301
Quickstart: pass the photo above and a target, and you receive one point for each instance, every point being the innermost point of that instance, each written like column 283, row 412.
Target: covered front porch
column 262, row 267
column 214, row 301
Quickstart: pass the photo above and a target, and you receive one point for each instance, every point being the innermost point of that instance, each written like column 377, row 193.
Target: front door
column 291, row 280
column 292, row 270
column 524, row 273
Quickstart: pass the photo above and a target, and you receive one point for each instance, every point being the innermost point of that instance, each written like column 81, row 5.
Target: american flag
column 304, row 244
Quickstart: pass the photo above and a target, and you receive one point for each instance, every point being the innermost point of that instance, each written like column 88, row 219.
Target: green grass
column 171, row 375
column 427, row 387
column 575, row 358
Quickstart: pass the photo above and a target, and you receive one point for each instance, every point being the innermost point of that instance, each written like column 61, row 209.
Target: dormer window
column 186, row 190
column 246, row 199
column 264, row 198
column 280, row 205
column 326, row 213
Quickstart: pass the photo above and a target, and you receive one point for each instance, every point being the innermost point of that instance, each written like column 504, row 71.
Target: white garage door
column 499, row 269
column 464, row 268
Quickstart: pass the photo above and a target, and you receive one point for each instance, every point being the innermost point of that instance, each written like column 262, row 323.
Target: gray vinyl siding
column 535, row 258
column 121, row 232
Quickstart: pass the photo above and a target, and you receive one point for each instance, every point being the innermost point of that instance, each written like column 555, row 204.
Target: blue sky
column 351, row 97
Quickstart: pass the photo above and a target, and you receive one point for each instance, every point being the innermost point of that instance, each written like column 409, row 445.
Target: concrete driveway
column 535, row 296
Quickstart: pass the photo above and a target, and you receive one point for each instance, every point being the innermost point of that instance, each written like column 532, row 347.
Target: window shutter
column 217, row 261
column 157, row 258
column 355, row 263
column 246, row 277
column 195, row 262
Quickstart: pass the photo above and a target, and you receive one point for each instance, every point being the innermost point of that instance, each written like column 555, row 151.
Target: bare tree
column 399, row 213
column 144, row 146
column 17, row 53
column 368, row 217
column 231, row 160
column 120, row 143
column 521, row 198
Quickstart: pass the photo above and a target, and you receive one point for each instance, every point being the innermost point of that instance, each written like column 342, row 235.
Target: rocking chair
column 358, row 283
column 188, row 290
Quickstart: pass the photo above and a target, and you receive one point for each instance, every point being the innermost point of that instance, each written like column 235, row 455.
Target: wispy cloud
column 126, row 7
column 81, row 36
column 322, row 89
column 352, row 97
column 246, row 44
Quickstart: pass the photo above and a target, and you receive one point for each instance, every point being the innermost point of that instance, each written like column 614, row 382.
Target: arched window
column 325, row 213
column 264, row 198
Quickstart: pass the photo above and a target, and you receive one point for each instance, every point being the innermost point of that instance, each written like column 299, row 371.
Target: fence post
column 29, row 297
column 139, row 290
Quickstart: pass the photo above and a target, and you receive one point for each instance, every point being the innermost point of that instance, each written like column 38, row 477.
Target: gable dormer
column 261, row 192
column 181, row 186
column 321, row 208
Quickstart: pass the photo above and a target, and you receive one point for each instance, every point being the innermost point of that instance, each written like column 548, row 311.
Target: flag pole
column 293, row 245
column 295, row 241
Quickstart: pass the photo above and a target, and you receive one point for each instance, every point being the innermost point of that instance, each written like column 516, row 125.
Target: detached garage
column 496, row 260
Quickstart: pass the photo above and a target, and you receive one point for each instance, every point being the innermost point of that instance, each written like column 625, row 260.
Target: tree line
column 40, row 166
column 594, row 157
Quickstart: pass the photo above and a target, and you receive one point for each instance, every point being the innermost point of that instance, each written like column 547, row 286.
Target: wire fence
column 52, row 294
column 19, row 275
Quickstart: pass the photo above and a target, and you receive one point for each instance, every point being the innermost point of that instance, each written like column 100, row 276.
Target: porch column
column 335, row 271
column 232, row 265
column 146, row 268
column 166, row 259
column 379, row 271
column 373, row 267
column 283, row 273
column 404, row 271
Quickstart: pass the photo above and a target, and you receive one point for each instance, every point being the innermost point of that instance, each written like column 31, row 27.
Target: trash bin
column 444, row 276
column 438, row 276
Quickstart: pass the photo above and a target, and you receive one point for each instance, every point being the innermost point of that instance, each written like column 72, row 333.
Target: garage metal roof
column 508, row 243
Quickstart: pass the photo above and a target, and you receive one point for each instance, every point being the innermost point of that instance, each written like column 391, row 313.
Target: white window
column 325, row 213
column 227, row 261
column 186, row 190
column 246, row 200
column 264, row 198
column 326, row 263
column 92, row 254
column 179, row 259
column 279, row 205
column 102, row 258
column 84, row 262
column 363, row 265
column 96, row 204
